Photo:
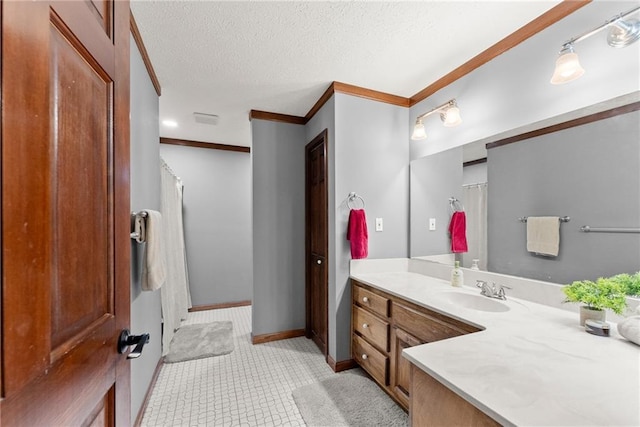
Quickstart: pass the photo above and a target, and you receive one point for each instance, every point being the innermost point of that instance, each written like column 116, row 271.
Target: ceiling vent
column 206, row 119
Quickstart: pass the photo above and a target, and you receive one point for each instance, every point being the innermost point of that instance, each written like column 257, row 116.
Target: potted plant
column 604, row 293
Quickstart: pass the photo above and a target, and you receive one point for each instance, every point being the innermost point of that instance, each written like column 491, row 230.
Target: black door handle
column 126, row 339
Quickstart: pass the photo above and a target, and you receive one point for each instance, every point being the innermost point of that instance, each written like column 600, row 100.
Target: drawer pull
column 365, row 326
column 364, row 356
column 365, row 299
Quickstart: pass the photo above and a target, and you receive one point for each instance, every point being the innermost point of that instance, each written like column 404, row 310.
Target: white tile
column 251, row 386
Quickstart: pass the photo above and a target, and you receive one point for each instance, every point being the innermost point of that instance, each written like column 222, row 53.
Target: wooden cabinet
column 383, row 325
column 434, row 404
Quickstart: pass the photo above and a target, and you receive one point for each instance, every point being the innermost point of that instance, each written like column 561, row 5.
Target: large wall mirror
column 584, row 165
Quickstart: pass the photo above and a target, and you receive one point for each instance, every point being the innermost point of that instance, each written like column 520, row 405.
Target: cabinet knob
column 364, row 356
column 365, row 326
column 365, row 299
column 319, row 261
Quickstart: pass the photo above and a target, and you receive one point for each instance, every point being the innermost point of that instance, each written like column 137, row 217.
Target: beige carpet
column 201, row 340
column 349, row 399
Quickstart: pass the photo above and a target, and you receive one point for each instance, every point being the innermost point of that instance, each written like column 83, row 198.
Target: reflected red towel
column 357, row 234
column 458, row 231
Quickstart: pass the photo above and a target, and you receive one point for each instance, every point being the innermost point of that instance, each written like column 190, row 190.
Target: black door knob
column 126, row 339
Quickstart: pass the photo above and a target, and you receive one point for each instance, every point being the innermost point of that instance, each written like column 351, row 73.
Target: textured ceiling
column 226, row 58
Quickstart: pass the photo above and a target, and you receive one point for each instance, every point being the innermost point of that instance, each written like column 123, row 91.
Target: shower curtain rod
column 476, row 183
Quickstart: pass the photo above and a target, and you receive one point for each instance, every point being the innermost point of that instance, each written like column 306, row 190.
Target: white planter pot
column 591, row 313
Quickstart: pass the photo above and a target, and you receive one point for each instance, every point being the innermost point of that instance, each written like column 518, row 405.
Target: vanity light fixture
column 621, row 34
column 170, row 123
column 449, row 114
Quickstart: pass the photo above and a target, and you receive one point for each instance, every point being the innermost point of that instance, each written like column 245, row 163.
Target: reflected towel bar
column 588, row 229
column 562, row 219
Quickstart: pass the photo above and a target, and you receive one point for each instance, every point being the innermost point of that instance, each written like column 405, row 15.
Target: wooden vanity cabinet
column 383, row 325
column 435, row 405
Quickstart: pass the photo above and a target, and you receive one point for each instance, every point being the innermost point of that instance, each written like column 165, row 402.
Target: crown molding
column 277, row 117
column 566, row 125
column 545, row 20
column 209, row 145
column 137, row 37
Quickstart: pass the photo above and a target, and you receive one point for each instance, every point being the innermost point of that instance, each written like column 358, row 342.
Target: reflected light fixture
column 621, row 34
column 449, row 114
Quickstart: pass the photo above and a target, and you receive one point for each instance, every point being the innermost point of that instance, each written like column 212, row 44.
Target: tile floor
column 250, row 387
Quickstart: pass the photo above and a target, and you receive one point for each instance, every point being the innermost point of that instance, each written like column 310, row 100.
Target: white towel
column 153, row 266
column 543, row 235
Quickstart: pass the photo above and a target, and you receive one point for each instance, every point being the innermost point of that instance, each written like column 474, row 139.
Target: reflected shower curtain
column 474, row 198
column 175, row 296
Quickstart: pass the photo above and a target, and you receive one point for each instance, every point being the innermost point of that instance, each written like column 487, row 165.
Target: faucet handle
column 480, row 283
column 501, row 294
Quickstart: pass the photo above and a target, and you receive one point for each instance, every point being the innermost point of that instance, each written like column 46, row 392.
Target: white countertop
column 533, row 365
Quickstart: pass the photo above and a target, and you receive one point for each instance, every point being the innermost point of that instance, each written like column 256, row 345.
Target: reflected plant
column 604, row 293
column 630, row 282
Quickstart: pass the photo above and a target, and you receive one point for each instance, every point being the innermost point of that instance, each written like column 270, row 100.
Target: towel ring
column 455, row 205
column 353, row 197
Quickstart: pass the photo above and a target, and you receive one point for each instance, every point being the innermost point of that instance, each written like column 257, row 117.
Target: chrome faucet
column 492, row 290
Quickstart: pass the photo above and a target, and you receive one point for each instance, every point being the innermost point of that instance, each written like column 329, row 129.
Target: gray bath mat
column 200, row 340
column 347, row 400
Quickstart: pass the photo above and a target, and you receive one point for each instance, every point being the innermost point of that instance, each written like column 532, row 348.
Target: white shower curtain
column 474, row 198
column 176, row 299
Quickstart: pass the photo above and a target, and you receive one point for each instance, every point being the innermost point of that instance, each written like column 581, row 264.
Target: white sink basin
column 474, row 302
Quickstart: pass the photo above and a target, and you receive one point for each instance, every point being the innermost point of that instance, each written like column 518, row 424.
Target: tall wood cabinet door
column 401, row 367
column 316, row 242
column 65, row 212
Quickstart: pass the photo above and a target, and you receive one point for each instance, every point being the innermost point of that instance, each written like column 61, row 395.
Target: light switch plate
column 378, row 224
column 432, row 224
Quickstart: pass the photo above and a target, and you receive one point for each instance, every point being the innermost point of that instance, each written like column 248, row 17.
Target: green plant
column 630, row 282
column 600, row 295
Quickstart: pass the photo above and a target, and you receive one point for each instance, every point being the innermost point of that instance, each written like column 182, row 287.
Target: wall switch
column 378, row 224
column 432, row 224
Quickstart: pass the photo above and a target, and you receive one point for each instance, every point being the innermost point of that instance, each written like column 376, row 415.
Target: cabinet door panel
column 400, row 378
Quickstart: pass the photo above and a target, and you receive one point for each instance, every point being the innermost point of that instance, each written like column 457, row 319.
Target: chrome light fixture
column 449, row 114
column 621, row 34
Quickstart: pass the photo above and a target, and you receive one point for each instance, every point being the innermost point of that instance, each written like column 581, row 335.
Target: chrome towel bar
column 562, row 219
column 136, row 235
column 588, row 229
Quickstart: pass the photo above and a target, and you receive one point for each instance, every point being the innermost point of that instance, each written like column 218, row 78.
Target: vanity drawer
column 371, row 360
column 375, row 330
column 374, row 302
column 423, row 326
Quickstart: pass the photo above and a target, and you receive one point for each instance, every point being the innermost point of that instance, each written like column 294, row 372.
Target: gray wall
column 217, row 221
column 371, row 159
column 434, row 179
column 145, row 194
column 513, row 90
column 590, row 173
column 367, row 154
column 278, row 227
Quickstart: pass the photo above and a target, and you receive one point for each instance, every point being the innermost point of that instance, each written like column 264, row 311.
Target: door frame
column 321, row 138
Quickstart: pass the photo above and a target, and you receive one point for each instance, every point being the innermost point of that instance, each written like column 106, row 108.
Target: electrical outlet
column 378, row 224
column 432, row 224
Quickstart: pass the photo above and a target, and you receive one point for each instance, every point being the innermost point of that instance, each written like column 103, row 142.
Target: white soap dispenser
column 457, row 276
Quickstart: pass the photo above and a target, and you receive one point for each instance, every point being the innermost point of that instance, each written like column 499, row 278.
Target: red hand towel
column 458, row 231
column 357, row 234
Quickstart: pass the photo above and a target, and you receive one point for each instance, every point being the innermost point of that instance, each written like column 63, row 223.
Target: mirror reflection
column 589, row 172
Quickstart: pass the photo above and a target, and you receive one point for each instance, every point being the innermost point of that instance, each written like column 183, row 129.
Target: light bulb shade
column 623, row 33
column 451, row 117
column 418, row 132
column 567, row 67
